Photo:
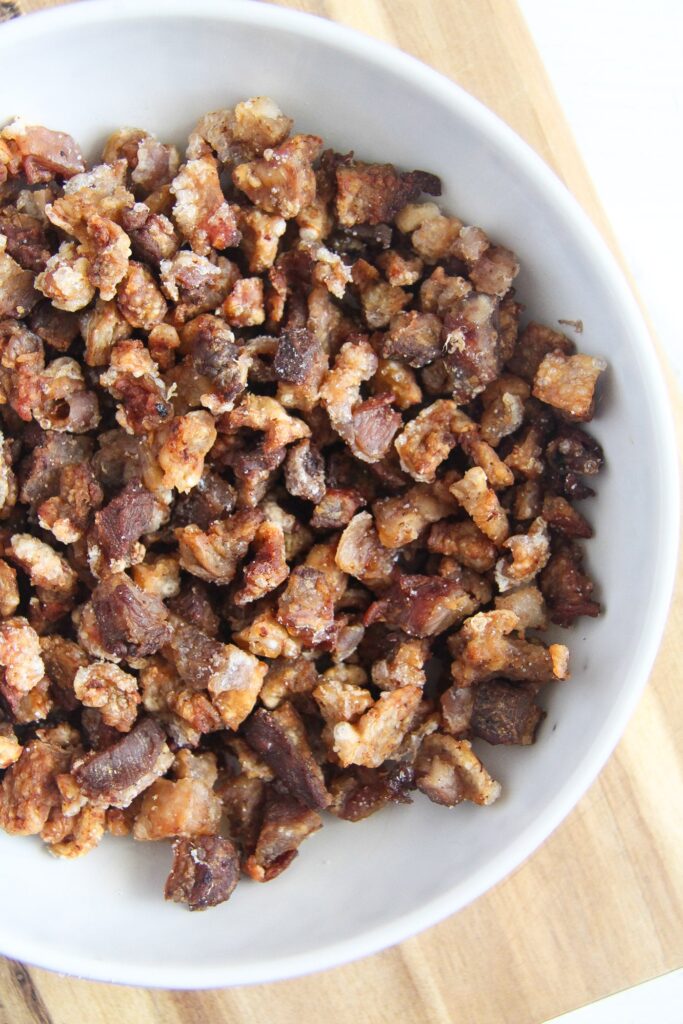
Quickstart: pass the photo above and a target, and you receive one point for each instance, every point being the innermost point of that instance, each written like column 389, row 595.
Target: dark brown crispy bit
column 132, row 624
column 421, row 605
column 562, row 516
column 279, row 737
column 374, row 193
column 296, row 351
column 112, row 773
column 305, row 471
column 40, row 472
column 566, row 587
column 26, row 239
column 336, row 509
column 286, row 823
column 204, row 873
column 359, row 792
column 470, row 342
column 193, row 605
column 121, row 522
column 503, row 713
column 535, row 341
column 413, row 337
column 268, row 568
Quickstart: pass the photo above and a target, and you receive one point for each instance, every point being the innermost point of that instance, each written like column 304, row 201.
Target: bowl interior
column 354, row 888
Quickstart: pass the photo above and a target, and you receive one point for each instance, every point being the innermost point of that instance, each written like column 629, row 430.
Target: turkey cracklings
column 288, row 494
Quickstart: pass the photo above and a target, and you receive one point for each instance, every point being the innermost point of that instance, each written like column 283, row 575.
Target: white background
column 617, row 69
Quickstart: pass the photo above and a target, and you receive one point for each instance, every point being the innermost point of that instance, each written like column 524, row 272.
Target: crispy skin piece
column 268, row 568
column 306, row 607
column 288, row 679
column 503, row 713
column 43, row 152
column 115, row 692
column 374, row 193
column 562, row 516
column 279, row 737
column 62, row 659
column 528, row 605
column 20, row 657
column 68, row 514
column 448, row 771
column 465, row 542
column 421, row 605
column 17, row 293
column 203, row 217
column 401, row 520
column 282, row 181
column 204, row 872
column 482, row 504
column 568, row 383
column 285, row 825
column 530, row 553
column 27, row 791
column 402, row 665
column 187, row 808
column 378, row 733
column 427, row 440
column 483, row 649
column 413, row 337
column 361, row 553
column 215, row 554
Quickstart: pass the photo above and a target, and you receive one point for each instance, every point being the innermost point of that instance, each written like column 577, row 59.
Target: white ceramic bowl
column 90, row 67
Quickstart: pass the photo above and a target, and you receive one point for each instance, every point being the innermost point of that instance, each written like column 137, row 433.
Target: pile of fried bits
column 287, row 495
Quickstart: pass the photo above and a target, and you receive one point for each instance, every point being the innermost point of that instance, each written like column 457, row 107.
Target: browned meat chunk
column 285, row 825
column 566, row 587
column 374, row 193
column 119, row 773
column 504, row 713
column 279, row 737
column 448, row 771
column 306, row 608
column 131, row 623
column 204, row 872
column 421, row 605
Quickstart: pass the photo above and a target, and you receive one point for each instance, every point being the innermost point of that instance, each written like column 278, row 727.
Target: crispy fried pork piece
column 401, row 520
column 44, row 566
column 62, row 659
column 427, row 440
column 566, row 587
column 336, row 509
column 118, row 774
column 465, row 542
column 457, row 704
column 359, row 792
column 528, row 605
column 261, row 234
column 131, row 623
column 503, row 413
column 530, row 553
column 568, row 383
column 564, row 518
column 534, row 343
column 18, row 295
column 196, row 284
column 374, row 193
column 204, row 872
column 306, row 607
column 268, row 568
column 380, row 300
column 413, row 337
column 421, row 606
column 378, row 733
column 448, row 771
column 484, row 649
column 305, row 471
column 471, row 347
column 482, row 504
column 282, row 181
column 494, row 271
column 68, row 514
column 572, row 454
column 27, row 241
column 279, row 737
column 504, row 713
column 287, row 680
column 241, row 132
column 113, row 541
column 200, row 211
column 43, row 153
column 28, row 792
column 9, row 591
column 153, row 237
column 400, row 268
column 395, row 378
column 20, row 658
column 214, row 554
column 285, row 825
column 114, row 692
column 185, row 807
column 10, row 747
column 402, row 664
column 361, row 554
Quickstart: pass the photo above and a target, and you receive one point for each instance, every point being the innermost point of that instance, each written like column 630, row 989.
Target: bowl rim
column 666, row 500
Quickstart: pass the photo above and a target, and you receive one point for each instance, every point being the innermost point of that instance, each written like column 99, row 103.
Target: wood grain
column 599, row 906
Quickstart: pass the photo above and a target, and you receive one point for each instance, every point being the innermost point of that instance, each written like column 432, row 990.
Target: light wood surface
column 599, row 906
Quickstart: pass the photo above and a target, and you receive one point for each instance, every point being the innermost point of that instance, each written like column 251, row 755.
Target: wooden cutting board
column 599, row 907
